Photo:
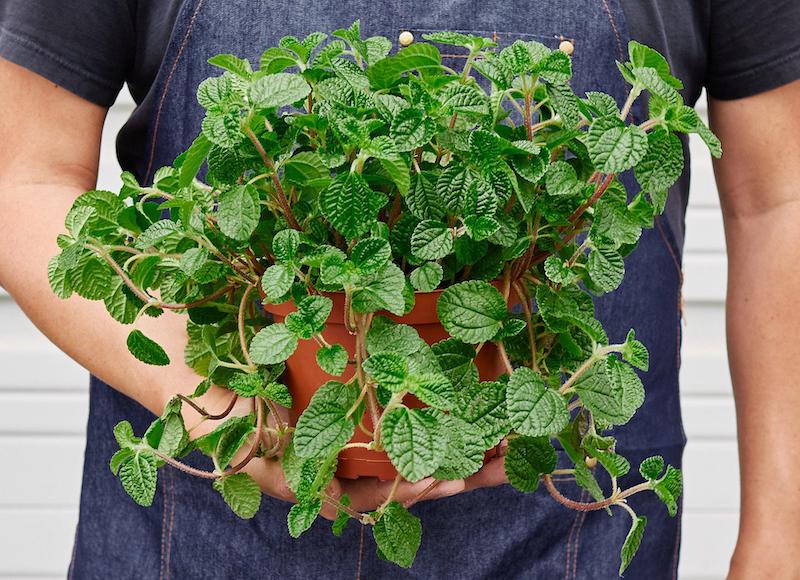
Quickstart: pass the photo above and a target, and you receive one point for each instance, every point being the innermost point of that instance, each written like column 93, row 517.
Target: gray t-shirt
column 734, row 48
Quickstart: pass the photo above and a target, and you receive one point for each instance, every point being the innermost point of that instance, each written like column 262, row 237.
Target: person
column 61, row 67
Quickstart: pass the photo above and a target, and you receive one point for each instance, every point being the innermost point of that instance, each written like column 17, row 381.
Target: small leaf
column 239, row 212
column 398, row 534
column 632, row 542
column 534, row 408
column 332, row 359
column 340, row 200
column 606, row 268
column 278, row 90
column 342, row 518
column 527, row 459
column 431, row 240
column 371, row 254
column 302, row 516
column 615, row 147
column 427, row 277
column 146, row 350
column 138, row 476
column 472, row 311
column 323, row 427
column 276, row 282
column 241, row 492
column 652, row 467
column 414, row 441
column 389, row 370
column 272, row 345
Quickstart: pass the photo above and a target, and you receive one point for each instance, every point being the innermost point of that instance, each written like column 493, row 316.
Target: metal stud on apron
column 489, row 533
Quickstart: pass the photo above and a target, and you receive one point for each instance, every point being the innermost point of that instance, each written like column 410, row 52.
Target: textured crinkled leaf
column 332, row 359
column 381, row 290
column 557, row 270
column 652, row 467
column 340, row 200
column 427, row 277
column 484, row 405
column 138, row 476
column 285, row 245
column 565, row 103
column 410, row 129
column 431, row 240
column 272, row 345
column 323, row 427
column 385, row 335
column 389, row 370
column 562, row 179
column 456, row 361
column 632, row 542
column 214, row 91
column 305, row 167
column 398, row 534
column 465, row 451
column 371, row 254
column 472, row 311
column 302, row 516
column 432, row 389
column 419, row 56
column 223, row 128
column 276, row 282
column 669, row 488
column 121, row 303
column 423, row 200
column 527, row 459
column 452, row 186
column 635, row 353
column 615, row 147
column 59, row 278
column 414, row 441
column 278, row 90
column 239, row 212
column 464, row 99
column 241, row 492
column 663, row 164
column 606, row 268
column 534, row 409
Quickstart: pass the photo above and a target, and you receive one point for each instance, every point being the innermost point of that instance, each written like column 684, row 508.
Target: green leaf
column 238, row 66
column 668, row 489
column 562, row 179
column 338, row 202
column 304, row 168
column 427, row 277
column 278, row 90
column 156, row 233
column 381, row 290
column 398, row 534
column 389, row 370
column 663, row 164
column 606, row 268
column 276, row 283
column 123, row 433
column 615, row 147
column 272, row 345
column 557, row 270
column 279, row 393
column 323, row 427
column 644, row 56
column 59, row 279
column 534, row 408
column 371, row 254
column 527, row 459
column 138, row 476
column 118, row 459
column 422, row 199
column 332, row 359
column 195, row 156
column 635, row 353
column 385, row 335
column 285, row 245
column 652, row 467
column 632, row 542
column 432, row 389
column 302, row 516
column 452, row 185
column 472, row 311
column 146, row 350
column 420, row 56
column 411, row 129
column 93, row 278
column 660, row 89
column 431, row 240
column 464, row 99
column 484, row 405
column 342, row 518
column 312, row 313
column 414, row 441
column 214, row 92
column 239, row 212
column 246, row 384
column 241, row 492
column 223, row 128
column 465, row 452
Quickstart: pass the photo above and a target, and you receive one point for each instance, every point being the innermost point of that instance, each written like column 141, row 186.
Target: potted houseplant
column 403, row 255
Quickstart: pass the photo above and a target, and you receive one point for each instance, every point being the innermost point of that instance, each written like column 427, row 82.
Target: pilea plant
column 339, row 173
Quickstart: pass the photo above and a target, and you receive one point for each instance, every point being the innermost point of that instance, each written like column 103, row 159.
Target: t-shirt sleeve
column 84, row 46
column 753, row 47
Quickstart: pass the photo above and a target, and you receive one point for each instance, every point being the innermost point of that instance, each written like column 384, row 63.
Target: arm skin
column 758, row 178
column 49, row 151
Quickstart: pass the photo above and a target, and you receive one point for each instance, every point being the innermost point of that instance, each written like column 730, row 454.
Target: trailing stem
column 615, row 499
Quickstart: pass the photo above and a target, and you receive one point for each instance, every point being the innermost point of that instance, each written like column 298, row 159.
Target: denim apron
column 500, row 533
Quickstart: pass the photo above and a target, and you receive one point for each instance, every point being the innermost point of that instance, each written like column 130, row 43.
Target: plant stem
column 183, row 467
column 577, row 374
column 591, row 201
column 205, row 413
column 279, row 193
column 256, row 441
column 240, row 320
column 422, row 494
column 363, row 518
column 596, row 505
column 398, row 478
column 522, row 292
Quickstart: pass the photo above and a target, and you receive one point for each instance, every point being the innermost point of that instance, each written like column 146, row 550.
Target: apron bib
column 496, row 533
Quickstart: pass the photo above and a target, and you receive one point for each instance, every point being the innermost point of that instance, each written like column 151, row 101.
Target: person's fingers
column 334, row 491
column 491, row 474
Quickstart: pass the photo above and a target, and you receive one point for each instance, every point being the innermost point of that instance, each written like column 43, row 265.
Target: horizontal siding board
column 30, row 413
column 707, row 541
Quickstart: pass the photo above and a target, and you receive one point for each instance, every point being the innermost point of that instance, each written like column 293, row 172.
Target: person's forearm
column 763, row 322
column 31, row 218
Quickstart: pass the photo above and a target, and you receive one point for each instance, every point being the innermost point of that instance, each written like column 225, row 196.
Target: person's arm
column 759, row 186
column 49, row 149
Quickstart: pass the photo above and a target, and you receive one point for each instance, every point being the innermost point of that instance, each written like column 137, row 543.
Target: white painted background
column 44, row 404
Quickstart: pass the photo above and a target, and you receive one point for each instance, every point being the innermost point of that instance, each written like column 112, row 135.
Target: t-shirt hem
column 28, row 53
column 757, row 80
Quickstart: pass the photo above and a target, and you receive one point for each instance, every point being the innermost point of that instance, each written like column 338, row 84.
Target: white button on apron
column 406, row 38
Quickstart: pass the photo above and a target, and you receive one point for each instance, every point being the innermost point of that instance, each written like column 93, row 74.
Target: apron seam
column 167, row 82
column 568, row 551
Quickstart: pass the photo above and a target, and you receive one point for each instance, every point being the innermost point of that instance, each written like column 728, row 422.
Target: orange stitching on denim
column 360, row 553
column 577, row 544
column 614, row 27
column 171, row 519
column 569, row 538
column 163, row 98
column 164, row 503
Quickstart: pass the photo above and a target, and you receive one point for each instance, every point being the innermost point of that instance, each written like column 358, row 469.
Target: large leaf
column 272, row 345
column 414, row 440
column 278, row 90
column 241, row 492
column 350, row 205
column 323, row 427
column 534, row 408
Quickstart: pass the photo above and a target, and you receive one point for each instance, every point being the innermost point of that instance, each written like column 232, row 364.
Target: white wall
column 43, row 407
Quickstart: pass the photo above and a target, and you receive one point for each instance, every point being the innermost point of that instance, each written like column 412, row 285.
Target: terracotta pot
column 303, row 375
